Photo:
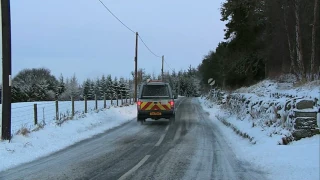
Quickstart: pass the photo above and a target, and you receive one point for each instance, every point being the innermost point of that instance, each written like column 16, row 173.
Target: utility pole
column 178, row 85
column 162, row 68
column 6, row 70
column 136, row 69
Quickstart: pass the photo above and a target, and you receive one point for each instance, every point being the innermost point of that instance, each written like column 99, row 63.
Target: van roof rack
column 149, row 80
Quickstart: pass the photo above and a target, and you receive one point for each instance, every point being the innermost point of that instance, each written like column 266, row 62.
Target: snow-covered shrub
column 39, row 126
column 24, row 131
column 287, row 78
column 33, row 84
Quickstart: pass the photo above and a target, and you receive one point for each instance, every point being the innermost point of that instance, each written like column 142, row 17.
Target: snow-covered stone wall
column 275, row 107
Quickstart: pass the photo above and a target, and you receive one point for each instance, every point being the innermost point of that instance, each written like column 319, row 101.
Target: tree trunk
column 293, row 68
column 266, row 70
column 300, row 62
column 313, row 51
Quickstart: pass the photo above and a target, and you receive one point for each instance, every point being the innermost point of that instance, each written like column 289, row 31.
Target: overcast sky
column 82, row 37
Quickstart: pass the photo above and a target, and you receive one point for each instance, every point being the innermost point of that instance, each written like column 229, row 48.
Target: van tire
column 140, row 119
column 172, row 119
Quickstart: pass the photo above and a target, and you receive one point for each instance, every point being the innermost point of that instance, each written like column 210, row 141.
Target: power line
column 168, row 65
column 148, row 47
column 116, row 17
column 129, row 29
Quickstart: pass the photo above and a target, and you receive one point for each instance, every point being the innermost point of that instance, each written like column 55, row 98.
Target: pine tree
column 40, row 90
column 122, row 87
column 109, row 86
column 97, row 88
column 115, row 86
column 86, row 89
column 92, row 91
column 61, row 85
column 74, row 88
column 103, row 85
column 127, row 88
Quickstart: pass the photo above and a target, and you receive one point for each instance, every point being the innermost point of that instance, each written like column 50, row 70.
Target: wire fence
column 32, row 114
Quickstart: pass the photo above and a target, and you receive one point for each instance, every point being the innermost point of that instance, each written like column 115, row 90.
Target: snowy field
column 53, row 138
column 22, row 114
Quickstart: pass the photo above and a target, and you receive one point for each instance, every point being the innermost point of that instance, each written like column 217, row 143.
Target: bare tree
column 312, row 63
column 291, row 49
column 298, row 37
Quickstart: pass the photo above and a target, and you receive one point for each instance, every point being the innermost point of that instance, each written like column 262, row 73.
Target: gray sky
column 82, row 37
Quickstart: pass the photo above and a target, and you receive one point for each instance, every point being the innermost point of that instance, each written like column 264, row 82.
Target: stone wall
column 305, row 119
column 295, row 114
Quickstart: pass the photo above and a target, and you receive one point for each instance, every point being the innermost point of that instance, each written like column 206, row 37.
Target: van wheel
column 172, row 119
column 141, row 120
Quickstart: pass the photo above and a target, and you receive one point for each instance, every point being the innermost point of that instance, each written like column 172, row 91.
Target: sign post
column 211, row 82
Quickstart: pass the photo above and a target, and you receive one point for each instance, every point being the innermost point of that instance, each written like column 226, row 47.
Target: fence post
column 43, row 117
column 72, row 104
column 96, row 99
column 111, row 97
column 85, row 104
column 35, row 109
column 57, row 110
column 117, row 99
column 104, row 101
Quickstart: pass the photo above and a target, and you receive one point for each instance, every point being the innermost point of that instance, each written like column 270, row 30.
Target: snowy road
column 192, row 148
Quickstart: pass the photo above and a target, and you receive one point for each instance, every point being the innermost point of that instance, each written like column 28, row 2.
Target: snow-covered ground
column 22, row 114
column 299, row 160
column 53, row 138
column 269, row 87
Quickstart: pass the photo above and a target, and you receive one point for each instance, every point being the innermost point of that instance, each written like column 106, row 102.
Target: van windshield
column 155, row 91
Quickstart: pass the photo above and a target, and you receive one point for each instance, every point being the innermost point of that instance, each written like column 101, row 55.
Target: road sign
column 211, row 82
